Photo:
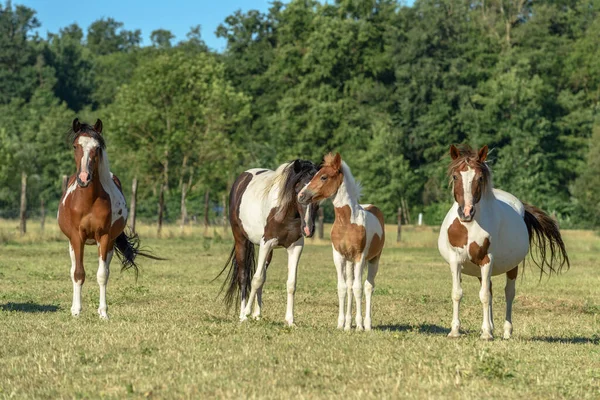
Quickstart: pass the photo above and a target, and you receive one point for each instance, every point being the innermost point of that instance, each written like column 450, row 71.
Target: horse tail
column 238, row 281
column 128, row 248
column 544, row 235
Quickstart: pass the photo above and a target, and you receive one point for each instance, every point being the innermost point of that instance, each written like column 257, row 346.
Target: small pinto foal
column 357, row 236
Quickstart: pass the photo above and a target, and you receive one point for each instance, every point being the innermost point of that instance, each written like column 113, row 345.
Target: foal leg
column 259, row 276
column 340, row 266
column 294, row 253
column 457, row 294
column 104, row 257
column 486, row 300
column 509, row 291
column 369, row 288
column 77, row 274
column 258, row 301
column 357, row 289
column 349, row 278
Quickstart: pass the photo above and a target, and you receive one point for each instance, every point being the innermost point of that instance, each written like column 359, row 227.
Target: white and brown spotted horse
column 489, row 232
column 357, row 236
column 93, row 211
column 264, row 211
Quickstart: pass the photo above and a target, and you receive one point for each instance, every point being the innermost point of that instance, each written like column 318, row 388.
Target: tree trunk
column 42, row 214
column 23, row 212
column 224, row 204
column 134, row 185
column 161, row 208
column 206, row 200
column 183, row 208
column 321, row 228
column 65, row 182
column 399, row 235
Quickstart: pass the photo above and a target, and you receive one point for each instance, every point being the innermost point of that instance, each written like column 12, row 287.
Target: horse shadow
column 29, row 307
column 420, row 328
column 567, row 340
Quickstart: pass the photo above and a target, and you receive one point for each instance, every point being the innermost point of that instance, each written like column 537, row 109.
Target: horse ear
column 76, row 125
column 483, row 152
column 297, row 166
column 454, row 152
column 337, row 162
column 98, row 126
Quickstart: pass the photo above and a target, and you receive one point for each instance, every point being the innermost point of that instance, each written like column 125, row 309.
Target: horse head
column 470, row 177
column 88, row 145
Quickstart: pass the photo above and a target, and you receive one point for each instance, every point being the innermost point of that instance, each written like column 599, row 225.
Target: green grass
column 169, row 338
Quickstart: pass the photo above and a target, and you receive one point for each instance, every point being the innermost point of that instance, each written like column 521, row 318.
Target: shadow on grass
column 422, row 328
column 568, row 340
column 29, row 307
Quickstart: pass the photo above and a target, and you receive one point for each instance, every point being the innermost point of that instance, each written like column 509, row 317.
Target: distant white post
column 420, row 219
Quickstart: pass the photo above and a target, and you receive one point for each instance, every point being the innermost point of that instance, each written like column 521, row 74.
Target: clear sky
column 178, row 16
column 175, row 15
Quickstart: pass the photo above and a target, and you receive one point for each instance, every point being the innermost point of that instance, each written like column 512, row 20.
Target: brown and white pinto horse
column 489, row 232
column 357, row 236
column 93, row 211
column 264, row 211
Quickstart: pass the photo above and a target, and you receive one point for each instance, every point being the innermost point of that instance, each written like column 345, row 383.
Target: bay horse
column 489, row 232
column 264, row 211
column 93, row 211
column 357, row 236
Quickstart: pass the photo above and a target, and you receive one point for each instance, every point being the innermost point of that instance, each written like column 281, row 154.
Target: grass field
column 169, row 337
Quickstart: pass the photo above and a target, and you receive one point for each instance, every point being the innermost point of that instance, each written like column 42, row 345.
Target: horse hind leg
column 369, row 288
column 104, row 258
column 77, row 275
column 340, row 266
column 509, row 291
column 358, row 292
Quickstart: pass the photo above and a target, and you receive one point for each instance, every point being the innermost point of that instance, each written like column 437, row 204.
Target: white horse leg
column 349, row 278
column 77, row 283
column 509, row 291
column 294, row 253
column 369, row 288
column 486, row 299
column 357, row 289
column 490, row 307
column 457, row 294
column 102, row 276
column 340, row 265
column 258, row 301
column 259, row 276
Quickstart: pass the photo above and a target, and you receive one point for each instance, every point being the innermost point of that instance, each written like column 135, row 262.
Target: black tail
column 128, row 248
column 545, row 235
column 238, row 277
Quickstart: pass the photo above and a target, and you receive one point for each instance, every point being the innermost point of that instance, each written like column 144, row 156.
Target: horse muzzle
column 466, row 218
column 305, row 196
column 84, row 179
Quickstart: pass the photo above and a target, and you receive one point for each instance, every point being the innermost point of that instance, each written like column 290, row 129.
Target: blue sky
column 175, row 15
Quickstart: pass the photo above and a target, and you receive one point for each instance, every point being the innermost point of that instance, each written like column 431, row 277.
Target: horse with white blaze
column 264, row 211
column 489, row 232
column 357, row 236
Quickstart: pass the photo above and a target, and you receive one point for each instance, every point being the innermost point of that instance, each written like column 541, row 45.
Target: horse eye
column 323, row 177
column 481, row 179
column 454, row 177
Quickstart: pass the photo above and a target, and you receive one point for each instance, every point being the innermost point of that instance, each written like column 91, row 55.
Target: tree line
column 388, row 86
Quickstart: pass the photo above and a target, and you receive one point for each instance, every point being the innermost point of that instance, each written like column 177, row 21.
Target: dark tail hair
column 128, row 248
column 239, row 278
column 545, row 235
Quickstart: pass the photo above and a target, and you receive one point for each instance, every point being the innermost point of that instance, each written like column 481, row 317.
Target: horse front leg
column 258, row 301
column 105, row 253
column 259, row 276
column 340, row 266
column 509, row 292
column 358, row 292
column 486, row 299
column 294, row 253
column 77, row 273
column 457, row 294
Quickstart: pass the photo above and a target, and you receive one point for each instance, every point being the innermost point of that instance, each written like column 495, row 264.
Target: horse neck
column 104, row 177
column 487, row 197
column 344, row 197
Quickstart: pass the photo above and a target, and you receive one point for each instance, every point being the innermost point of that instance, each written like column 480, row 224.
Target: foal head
column 88, row 145
column 470, row 177
column 326, row 182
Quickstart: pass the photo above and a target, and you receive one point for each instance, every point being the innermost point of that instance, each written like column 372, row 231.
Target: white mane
column 352, row 187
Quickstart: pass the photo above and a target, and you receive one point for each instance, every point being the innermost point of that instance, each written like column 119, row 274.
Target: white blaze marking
column 87, row 144
column 467, row 180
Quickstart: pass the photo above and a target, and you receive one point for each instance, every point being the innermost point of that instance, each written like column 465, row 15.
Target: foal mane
column 287, row 178
column 88, row 130
column 353, row 188
column 469, row 157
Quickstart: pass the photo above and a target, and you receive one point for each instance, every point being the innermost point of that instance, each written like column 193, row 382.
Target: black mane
column 88, row 130
column 296, row 171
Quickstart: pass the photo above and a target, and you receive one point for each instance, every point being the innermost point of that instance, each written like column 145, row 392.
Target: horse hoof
column 256, row 317
column 487, row 336
column 507, row 335
column 454, row 334
column 290, row 324
column 340, row 326
column 75, row 313
column 104, row 317
column 359, row 328
column 347, row 328
column 243, row 319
